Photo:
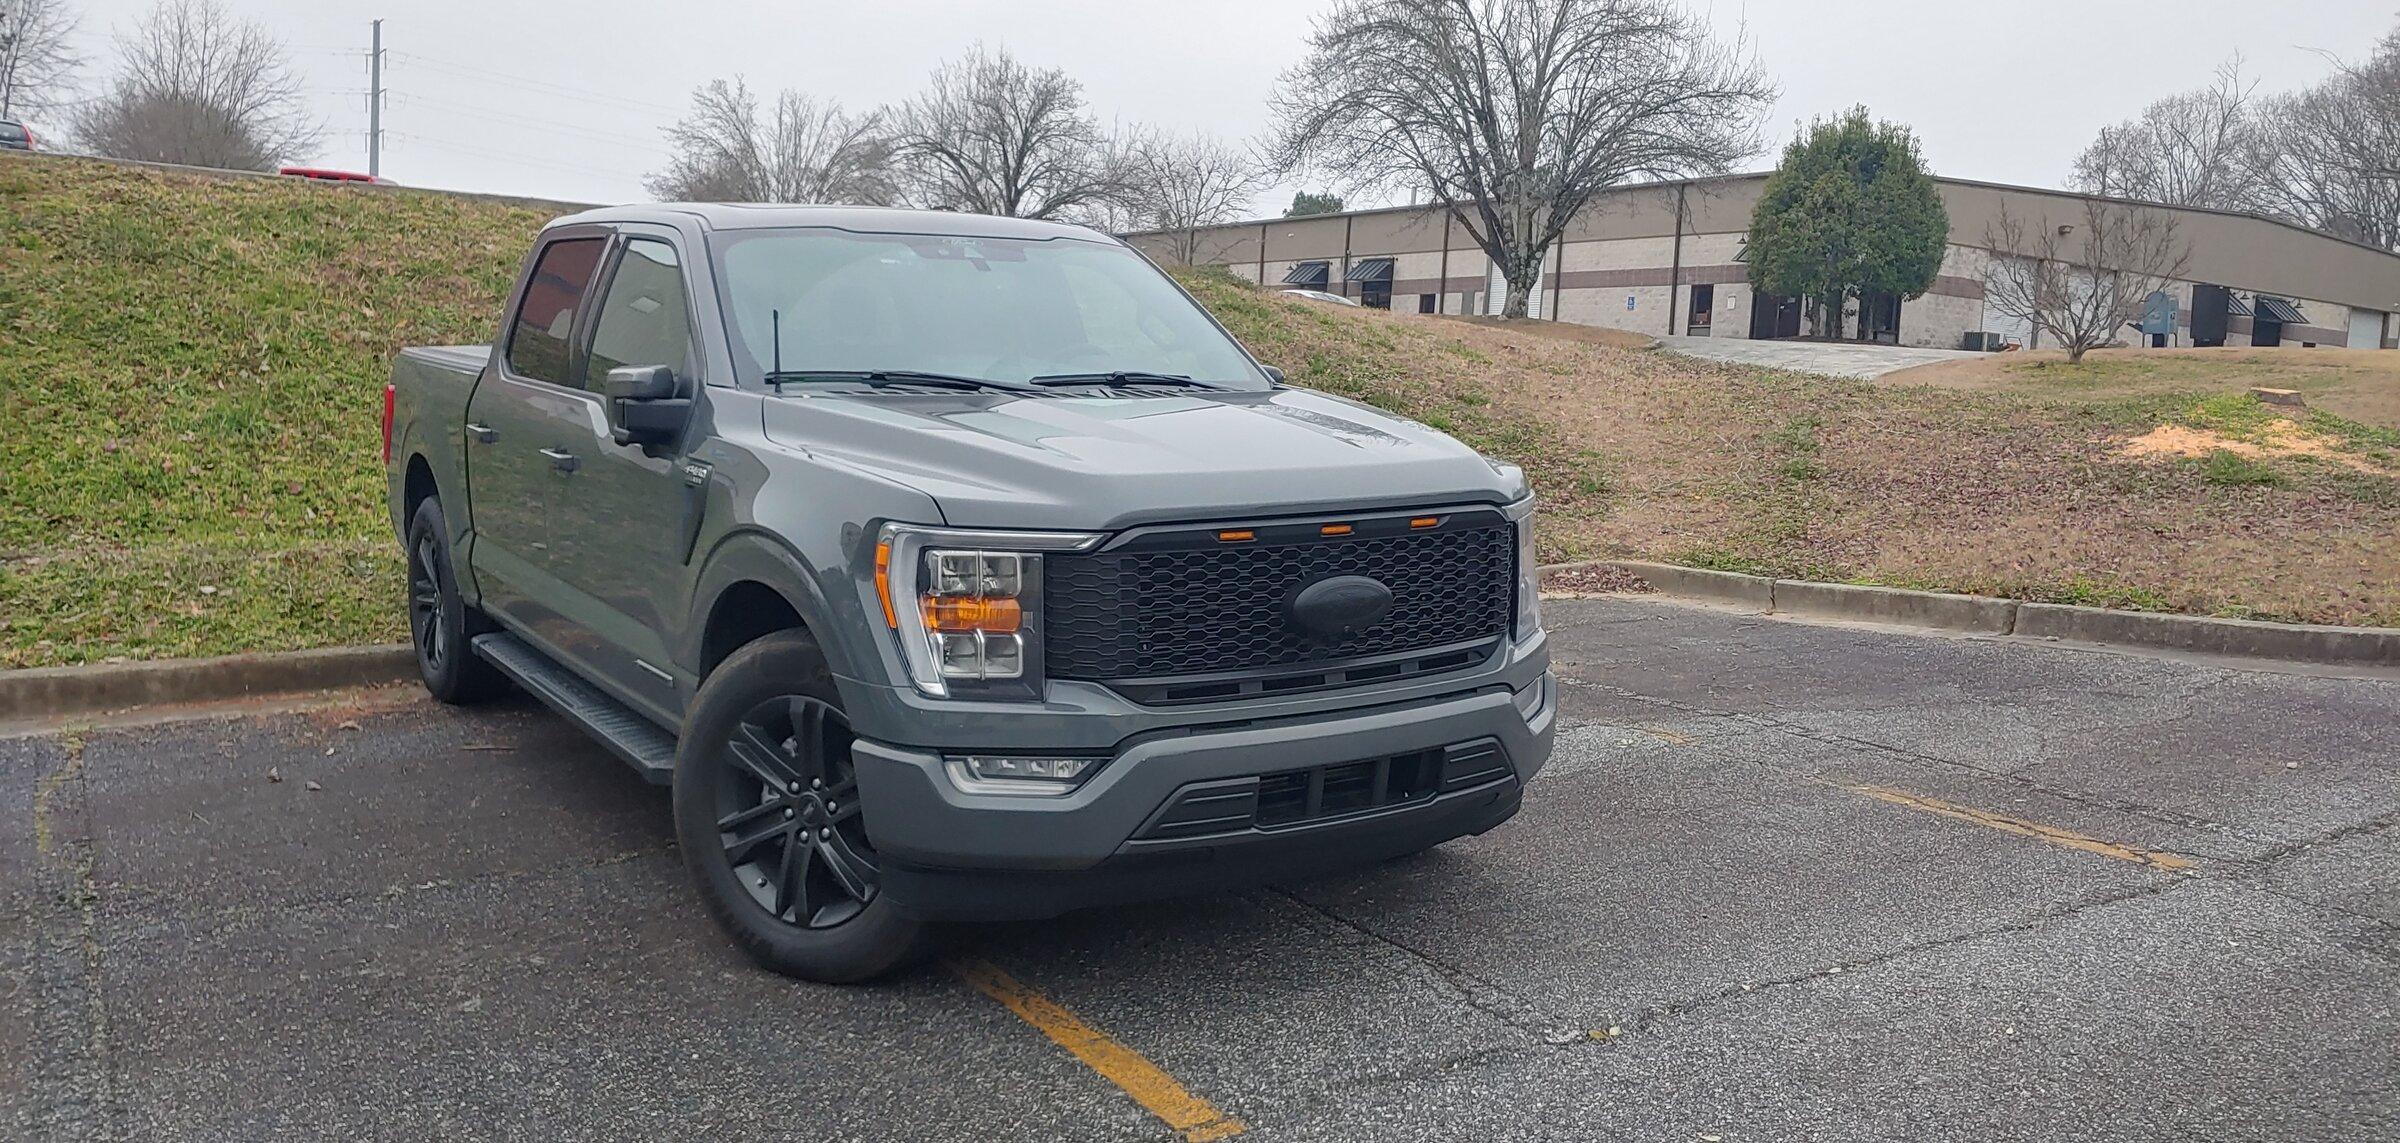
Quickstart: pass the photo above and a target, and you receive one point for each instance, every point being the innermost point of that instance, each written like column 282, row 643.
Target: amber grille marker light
column 1334, row 530
column 1425, row 522
column 1236, row 536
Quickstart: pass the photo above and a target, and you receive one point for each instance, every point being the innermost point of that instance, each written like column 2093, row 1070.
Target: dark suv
column 15, row 136
column 958, row 568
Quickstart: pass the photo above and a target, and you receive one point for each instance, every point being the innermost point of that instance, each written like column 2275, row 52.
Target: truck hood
column 1100, row 462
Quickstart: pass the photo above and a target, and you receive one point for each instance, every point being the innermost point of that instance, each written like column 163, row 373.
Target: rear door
column 525, row 422
column 624, row 520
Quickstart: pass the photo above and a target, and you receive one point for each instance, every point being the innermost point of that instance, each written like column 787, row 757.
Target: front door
column 524, row 410
column 1774, row 316
column 623, row 536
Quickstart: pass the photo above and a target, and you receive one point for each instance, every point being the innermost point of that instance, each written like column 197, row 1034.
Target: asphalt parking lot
column 1780, row 882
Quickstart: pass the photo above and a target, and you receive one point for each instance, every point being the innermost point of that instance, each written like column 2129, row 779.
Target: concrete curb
column 1985, row 615
column 2299, row 642
column 1701, row 583
column 62, row 692
column 1980, row 614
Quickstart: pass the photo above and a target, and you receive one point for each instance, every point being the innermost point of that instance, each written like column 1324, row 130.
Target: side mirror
column 1273, row 374
column 643, row 407
column 639, row 383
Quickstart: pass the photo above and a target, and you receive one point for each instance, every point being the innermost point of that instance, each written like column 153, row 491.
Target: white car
column 1322, row 296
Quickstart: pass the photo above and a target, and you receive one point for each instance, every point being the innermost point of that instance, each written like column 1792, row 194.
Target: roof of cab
column 864, row 219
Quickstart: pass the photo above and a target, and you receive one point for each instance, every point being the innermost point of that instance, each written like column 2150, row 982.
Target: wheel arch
column 753, row 584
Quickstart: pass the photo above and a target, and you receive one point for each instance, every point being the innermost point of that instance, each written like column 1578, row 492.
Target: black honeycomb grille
column 1154, row 614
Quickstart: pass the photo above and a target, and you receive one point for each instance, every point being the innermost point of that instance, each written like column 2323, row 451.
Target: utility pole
column 375, row 104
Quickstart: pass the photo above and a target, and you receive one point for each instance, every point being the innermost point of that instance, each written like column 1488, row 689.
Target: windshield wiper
column 1121, row 377
column 896, row 378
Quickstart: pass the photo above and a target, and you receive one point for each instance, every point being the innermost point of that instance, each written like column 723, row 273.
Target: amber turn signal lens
column 1334, row 530
column 967, row 613
column 1425, row 522
column 1236, row 536
column 883, row 583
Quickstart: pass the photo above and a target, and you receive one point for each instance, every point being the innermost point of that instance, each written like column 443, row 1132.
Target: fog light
column 1017, row 774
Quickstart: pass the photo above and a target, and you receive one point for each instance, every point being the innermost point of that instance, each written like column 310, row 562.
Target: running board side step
column 637, row 740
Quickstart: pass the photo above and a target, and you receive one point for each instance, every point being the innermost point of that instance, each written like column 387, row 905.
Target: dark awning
column 1308, row 274
column 1369, row 270
column 2235, row 306
column 2277, row 309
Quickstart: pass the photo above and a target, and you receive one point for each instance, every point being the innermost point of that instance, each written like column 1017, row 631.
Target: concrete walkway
column 1829, row 360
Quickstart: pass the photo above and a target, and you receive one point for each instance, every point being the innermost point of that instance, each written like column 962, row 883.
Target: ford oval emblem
column 1336, row 608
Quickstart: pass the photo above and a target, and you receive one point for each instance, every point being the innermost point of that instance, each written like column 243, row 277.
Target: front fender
column 820, row 596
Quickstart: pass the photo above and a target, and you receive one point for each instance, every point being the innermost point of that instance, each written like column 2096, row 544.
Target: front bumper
column 948, row 854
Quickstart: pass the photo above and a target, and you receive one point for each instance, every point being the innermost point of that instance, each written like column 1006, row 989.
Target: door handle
column 563, row 461
column 483, row 434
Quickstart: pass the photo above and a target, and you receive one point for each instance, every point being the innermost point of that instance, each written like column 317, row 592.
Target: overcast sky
column 566, row 100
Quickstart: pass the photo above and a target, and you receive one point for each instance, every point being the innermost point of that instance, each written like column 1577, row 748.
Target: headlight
column 965, row 606
column 1529, row 570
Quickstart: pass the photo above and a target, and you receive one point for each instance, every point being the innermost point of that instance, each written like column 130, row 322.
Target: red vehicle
column 330, row 175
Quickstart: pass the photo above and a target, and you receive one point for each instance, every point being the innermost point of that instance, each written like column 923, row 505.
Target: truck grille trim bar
column 1317, row 795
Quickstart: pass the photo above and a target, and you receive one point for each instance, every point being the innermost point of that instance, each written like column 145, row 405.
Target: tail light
column 389, row 396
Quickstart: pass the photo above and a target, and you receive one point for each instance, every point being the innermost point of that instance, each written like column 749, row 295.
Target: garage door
column 2366, row 329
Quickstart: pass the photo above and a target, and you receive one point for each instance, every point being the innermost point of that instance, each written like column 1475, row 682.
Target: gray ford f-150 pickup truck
column 957, row 568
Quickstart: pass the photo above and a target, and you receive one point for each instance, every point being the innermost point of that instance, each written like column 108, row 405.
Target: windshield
column 995, row 308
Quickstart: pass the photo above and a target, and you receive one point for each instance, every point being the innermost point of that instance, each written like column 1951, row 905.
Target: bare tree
column 992, row 136
column 1183, row 183
column 2329, row 156
column 38, row 61
column 807, row 151
column 196, row 86
column 1516, row 113
column 2084, row 279
column 2192, row 149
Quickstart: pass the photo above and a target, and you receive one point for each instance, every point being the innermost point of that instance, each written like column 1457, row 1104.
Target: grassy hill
column 191, row 377
column 191, row 368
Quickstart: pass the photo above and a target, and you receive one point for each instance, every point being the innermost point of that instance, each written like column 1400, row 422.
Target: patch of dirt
column 2283, row 438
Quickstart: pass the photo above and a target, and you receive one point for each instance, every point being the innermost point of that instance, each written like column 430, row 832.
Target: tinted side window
column 12, row 132
column 643, row 321
column 537, row 340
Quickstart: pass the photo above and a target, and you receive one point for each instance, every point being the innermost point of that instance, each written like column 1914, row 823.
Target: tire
column 439, row 622
column 763, row 761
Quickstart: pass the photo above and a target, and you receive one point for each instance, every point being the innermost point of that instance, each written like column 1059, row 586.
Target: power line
column 540, row 87
column 505, row 118
column 442, row 144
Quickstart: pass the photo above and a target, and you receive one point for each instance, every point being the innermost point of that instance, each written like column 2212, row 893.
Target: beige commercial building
column 1667, row 258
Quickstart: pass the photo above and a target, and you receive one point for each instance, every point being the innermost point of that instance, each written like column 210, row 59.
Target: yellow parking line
column 1193, row 1118
column 2023, row 828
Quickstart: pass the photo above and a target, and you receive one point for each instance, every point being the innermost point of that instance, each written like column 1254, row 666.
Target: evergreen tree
column 1851, row 213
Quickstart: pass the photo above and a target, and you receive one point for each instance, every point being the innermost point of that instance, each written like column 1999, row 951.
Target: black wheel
column 768, row 817
column 439, row 622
